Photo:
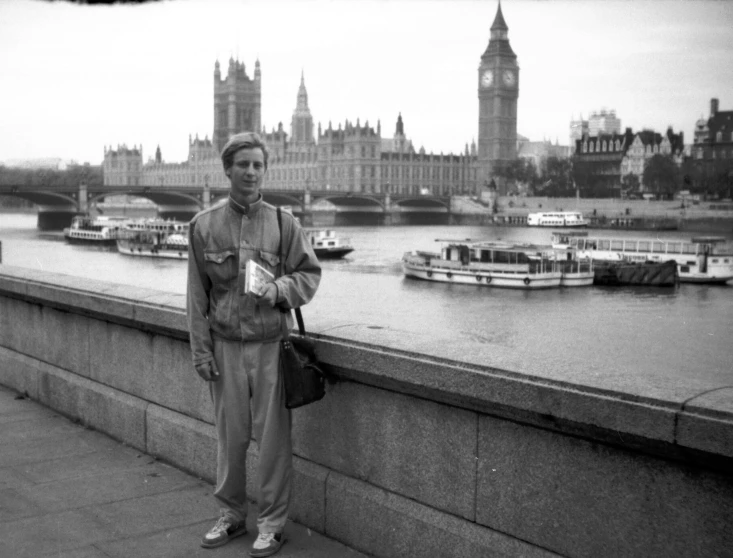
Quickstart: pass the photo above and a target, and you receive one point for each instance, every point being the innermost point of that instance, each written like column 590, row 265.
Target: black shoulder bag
column 304, row 381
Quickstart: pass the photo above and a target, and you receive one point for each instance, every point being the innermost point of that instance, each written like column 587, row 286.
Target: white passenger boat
column 498, row 264
column 95, row 230
column 155, row 238
column 704, row 259
column 557, row 219
column 327, row 245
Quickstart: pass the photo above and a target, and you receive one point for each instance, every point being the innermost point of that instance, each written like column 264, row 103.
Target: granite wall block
column 117, row 414
column 173, row 382
column 705, row 423
column 61, row 338
column 121, row 357
column 308, row 502
column 183, row 441
column 582, row 498
column 381, row 523
column 20, row 372
column 414, row 447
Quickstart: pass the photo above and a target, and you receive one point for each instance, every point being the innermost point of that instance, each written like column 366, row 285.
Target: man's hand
column 208, row 371
column 268, row 295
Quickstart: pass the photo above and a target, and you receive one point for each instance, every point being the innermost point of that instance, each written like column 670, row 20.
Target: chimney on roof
column 713, row 107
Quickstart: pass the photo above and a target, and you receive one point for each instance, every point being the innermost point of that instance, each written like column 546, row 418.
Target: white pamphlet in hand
column 256, row 277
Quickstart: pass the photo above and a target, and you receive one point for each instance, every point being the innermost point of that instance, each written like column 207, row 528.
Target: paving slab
column 70, row 492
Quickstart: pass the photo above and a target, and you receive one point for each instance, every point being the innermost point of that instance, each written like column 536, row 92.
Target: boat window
column 581, row 244
column 644, row 245
column 604, row 244
column 674, row 247
column 485, row 256
column 688, row 248
column 630, row 246
column 658, row 247
column 501, row 257
column 617, row 245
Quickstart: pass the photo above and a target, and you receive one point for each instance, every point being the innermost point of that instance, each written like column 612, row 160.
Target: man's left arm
column 302, row 270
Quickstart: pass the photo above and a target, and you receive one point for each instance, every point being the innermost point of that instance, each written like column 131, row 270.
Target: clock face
column 508, row 77
column 487, row 78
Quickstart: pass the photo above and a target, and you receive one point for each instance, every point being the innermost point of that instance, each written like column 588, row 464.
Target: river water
column 670, row 336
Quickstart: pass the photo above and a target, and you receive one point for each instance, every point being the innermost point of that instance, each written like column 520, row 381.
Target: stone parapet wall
column 408, row 455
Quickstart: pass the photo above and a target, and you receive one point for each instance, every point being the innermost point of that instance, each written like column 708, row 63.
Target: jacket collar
column 246, row 209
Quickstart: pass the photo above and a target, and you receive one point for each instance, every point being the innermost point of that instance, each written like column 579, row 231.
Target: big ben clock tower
column 498, row 91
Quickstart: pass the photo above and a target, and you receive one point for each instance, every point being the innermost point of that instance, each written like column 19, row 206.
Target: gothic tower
column 301, row 131
column 498, row 91
column 237, row 102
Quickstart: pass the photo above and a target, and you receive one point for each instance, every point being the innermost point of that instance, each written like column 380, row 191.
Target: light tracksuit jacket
column 221, row 240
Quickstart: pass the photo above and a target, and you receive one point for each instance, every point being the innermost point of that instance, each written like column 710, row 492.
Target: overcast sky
column 75, row 78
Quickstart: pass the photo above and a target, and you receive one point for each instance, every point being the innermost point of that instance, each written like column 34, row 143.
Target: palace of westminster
column 355, row 157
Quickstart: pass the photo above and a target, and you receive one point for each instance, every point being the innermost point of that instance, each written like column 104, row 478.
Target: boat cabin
column 698, row 245
column 485, row 253
column 323, row 238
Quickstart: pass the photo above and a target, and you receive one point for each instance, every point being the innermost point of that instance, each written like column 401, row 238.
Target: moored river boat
column 155, row 238
column 498, row 264
column 703, row 259
column 572, row 219
column 95, row 230
column 327, row 245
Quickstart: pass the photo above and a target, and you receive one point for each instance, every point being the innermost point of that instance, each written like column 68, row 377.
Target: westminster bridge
column 58, row 204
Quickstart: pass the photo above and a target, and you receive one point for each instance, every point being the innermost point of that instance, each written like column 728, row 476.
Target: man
column 235, row 340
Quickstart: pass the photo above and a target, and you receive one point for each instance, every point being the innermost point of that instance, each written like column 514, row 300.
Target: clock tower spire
column 498, row 91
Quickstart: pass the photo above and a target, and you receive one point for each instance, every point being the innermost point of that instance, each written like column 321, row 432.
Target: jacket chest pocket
column 221, row 266
column 270, row 261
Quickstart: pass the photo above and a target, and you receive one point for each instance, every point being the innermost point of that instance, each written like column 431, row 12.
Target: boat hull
column 688, row 267
column 332, row 253
column 526, row 281
column 624, row 273
column 558, row 226
column 150, row 251
column 580, row 279
column 99, row 240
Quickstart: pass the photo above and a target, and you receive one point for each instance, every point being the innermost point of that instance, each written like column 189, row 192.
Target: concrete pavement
column 68, row 491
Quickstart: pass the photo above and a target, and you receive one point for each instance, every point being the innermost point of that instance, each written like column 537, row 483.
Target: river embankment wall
column 408, row 455
column 614, row 213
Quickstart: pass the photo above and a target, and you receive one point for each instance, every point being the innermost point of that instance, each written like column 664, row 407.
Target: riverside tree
column 661, row 176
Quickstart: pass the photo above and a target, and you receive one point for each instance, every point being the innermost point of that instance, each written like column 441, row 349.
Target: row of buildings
column 609, row 156
column 357, row 158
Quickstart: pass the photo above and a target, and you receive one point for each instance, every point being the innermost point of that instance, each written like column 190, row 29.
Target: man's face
column 246, row 174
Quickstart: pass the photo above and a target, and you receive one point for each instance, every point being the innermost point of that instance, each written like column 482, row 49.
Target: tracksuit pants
column 249, row 401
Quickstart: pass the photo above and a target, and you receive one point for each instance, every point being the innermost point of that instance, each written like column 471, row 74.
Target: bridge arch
column 157, row 197
column 44, row 198
column 418, row 202
column 358, row 202
column 281, row 198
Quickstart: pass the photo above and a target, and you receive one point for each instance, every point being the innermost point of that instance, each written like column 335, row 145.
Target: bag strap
column 298, row 315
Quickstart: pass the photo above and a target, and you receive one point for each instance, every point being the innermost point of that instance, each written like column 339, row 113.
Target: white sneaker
column 267, row 544
column 221, row 533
